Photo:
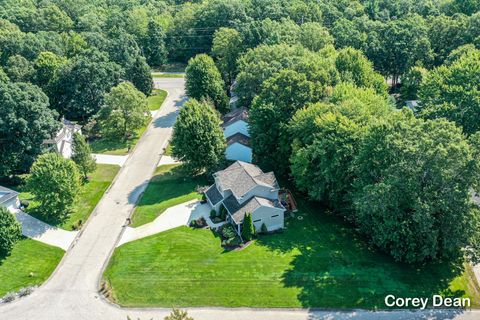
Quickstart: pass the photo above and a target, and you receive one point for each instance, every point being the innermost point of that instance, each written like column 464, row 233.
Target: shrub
column 24, row 204
column 264, row 228
column 227, row 231
column 248, row 229
column 10, row 231
column 213, row 214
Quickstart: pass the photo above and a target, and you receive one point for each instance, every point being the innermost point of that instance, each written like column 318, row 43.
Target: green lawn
column 316, row 262
column 117, row 147
column 168, row 150
column 88, row 197
column 30, row 263
column 156, row 99
column 168, row 187
column 167, row 75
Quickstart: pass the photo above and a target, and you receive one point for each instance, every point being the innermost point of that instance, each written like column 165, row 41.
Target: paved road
column 71, row 292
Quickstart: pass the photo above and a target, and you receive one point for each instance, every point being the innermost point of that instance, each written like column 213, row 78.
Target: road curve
column 71, row 293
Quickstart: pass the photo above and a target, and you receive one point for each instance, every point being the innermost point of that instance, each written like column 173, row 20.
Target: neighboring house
column 412, row 105
column 242, row 188
column 9, row 199
column 235, row 129
column 233, row 96
column 63, row 141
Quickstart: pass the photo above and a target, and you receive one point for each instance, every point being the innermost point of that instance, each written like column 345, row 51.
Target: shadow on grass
column 335, row 268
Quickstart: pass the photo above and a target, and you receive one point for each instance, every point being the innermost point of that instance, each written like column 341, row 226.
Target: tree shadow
column 334, row 267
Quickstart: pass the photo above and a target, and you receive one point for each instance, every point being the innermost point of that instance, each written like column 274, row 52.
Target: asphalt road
column 71, row 293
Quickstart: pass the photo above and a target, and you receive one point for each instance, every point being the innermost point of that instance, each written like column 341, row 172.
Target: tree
column 197, row 138
column 140, row 75
column 203, row 81
column 154, row 44
column 413, row 189
column 326, row 138
column 314, row 36
column 354, row 67
column 178, row 314
column 248, row 229
column 411, row 83
column 82, row 156
column 19, row 69
column 10, row 231
column 54, row 181
column 79, row 87
column 281, row 95
column 25, row 122
column 451, row 92
column 124, row 112
column 227, row 47
column 46, row 66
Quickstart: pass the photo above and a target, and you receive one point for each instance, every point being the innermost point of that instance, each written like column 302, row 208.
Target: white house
column 245, row 188
column 9, row 199
column 235, row 129
column 63, row 141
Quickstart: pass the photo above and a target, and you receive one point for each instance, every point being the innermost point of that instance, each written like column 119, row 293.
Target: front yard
column 30, row 263
column 156, row 99
column 88, row 197
column 118, row 147
column 316, row 262
column 168, row 187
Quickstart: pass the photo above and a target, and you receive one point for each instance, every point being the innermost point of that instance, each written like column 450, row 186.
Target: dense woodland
column 324, row 82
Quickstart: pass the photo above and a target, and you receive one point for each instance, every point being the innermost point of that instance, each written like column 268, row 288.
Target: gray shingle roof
column 234, row 116
column 241, row 177
column 240, row 138
column 237, row 210
column 214, row 195
column 7, row 194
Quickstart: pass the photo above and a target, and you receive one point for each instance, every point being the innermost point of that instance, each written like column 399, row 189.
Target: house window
column 275, row 216
column 257, row 220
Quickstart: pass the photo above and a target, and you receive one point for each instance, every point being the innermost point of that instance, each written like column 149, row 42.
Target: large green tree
column 413, row 189
column 203, row 81
column 125, row 111
column 154, row 44
column 82, row 155
column 80, row 85
column 10, row 231
column 25, row 122
column 46, row 66
column 54, row 181
column 197, row 139
column 452, row 92
column 281, row 95
column 326, row 138
column 19, row 69
column 227, row 47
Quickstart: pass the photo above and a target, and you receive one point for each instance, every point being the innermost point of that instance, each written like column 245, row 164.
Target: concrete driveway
column 110, row 159
column 173, row 217
column 43, row 232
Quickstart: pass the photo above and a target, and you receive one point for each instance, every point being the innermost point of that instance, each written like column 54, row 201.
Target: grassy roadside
column 89, row 195
column 317, row 261
column 167, row 75
column 168, row 187
column 156, row 99
column 30, row 263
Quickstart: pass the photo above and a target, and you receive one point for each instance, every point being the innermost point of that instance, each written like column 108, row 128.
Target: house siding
column 264, row 214
column 236, row 127
column 240, row 152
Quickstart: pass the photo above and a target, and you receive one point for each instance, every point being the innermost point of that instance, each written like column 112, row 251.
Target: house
column 245, row 188
column 412, row 105
column 9, row 199
column 235, row 129
column 63, row 141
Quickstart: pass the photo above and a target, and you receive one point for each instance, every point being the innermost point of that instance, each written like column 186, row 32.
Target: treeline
column 320, row 113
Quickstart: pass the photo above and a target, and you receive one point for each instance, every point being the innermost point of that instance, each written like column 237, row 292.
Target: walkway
column 110, row 159
column 173, row 217
column 43, row 232
column 167, row 160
